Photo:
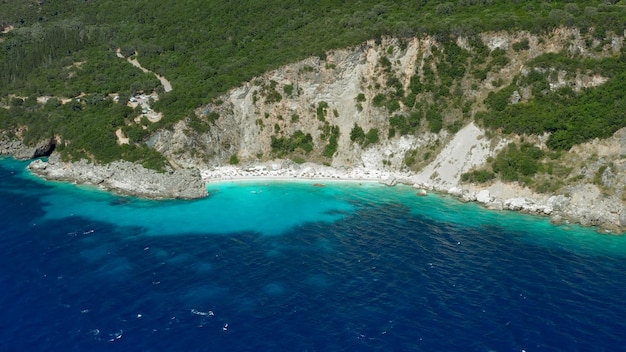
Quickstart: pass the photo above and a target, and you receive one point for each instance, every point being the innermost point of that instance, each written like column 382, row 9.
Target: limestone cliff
column 361, row 107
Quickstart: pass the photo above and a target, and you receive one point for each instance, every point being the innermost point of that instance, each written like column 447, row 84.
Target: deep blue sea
column 294, row 267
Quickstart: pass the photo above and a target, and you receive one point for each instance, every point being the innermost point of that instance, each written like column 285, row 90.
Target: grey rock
column 125, row 178
column 515, row 97
column 455, row 191
column 496, row 205
column 391, row 181
column 546, row 210
column 483, row 196
column 518, row 203
column 45, row 149
column 14, row 148
column 593, row 218
column 559, row 202
column 622, row 219
column 608, row 177
column 469, row 197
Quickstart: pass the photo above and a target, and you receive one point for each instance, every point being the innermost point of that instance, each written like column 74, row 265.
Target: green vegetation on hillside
column 359, row 136
column 63, row 49
column 570, row 117
column 282, row 146
column 331, row 147
column 87, row 124
column 514, row 164
column 524, row 163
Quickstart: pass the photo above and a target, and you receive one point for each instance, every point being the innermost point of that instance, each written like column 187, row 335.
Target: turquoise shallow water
column 266, row 209
column 275, row 208
column 263, row 266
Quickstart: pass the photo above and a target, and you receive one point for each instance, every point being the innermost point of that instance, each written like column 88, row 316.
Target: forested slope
column 67, row 49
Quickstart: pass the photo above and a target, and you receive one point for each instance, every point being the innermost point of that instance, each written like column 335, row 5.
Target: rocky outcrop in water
column 125, row 178
column 584, row 204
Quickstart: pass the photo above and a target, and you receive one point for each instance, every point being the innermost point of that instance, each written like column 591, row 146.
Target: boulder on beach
column 483, row 196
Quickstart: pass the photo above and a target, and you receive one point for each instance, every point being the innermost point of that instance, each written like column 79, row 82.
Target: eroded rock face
column 125, row 178
column 46, row 149
column 15, row 149
column 347, row 82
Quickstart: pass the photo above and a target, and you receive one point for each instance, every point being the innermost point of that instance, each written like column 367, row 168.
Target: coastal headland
column 124, row 178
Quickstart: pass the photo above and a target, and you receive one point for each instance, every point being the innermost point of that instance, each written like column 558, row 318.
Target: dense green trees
column 359, row 136
column 244, row 39
column 86, row 128
column 333, row 142
column 478, row 176
column 321, row 110
column 435, row 120
column 64, row 49
column 570, row 117
column 513, row 163
column 285, row 145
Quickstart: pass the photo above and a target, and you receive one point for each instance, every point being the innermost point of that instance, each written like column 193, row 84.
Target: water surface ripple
column 271, row 267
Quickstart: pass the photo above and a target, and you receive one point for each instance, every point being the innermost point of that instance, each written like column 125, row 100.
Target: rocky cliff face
column 360, row 86
column 367, row 87
column 15, row 148
column 312, row 96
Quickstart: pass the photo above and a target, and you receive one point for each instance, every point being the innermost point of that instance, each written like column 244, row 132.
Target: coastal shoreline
column 587, row 207
column 124, row 178
column 304, row 172
column 499, row 196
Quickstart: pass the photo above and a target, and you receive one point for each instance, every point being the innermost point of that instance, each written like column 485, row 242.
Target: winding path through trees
column 167, row 86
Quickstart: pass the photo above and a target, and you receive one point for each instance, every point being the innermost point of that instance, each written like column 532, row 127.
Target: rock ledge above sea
column 15, row 148
column 124, row 178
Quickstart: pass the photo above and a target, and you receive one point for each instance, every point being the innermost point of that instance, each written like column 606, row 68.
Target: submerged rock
column 495, row 205
column 556, row 219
